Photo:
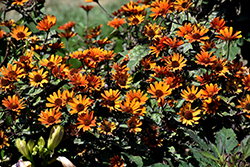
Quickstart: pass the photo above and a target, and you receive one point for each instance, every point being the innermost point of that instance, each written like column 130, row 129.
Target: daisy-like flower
column 173, row 43
column 38, row 78
column 147, row 63
column 5, row 84
column 205, row 58
column 134, row 123
column 226, row 34
column 210, row 105
column 152, row 31
column 3, row 140
column 204, row 79
column 68, row 96
column 245, row 104
column 86, row 121
column 116, row 22
column 116, row 161
column 68, row 34
column 95, row 83
column 56, row 100
column 111, row 99
column 208, row 45
column 191, row 94
column 159, row 90
column 47, row 22
column 246, row 82
column 220, row 66
column 122, row 79
column 50, row 117
column 12, row 72
column 78, row 80
column 218, row 24
column 67, row 26
column 176, row 62
column 19, row 2
column 52, row 61
column 87, row 8
column 102, row 42
column 20, row 33
column 80, row 54
column 189, row 116
column 106, row 127
column 13, row 103
column 80, row 104
column 160, row 8
column 1, row 34
column 197, row 34
column 209, row 91
column 91, row 1
column 133, row 8
column 131, row 107
column 182, row 5
column 184, row 30
column 137, row 95
column 136, row 19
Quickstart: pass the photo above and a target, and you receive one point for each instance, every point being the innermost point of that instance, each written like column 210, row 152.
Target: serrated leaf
column 136, row 159
column 136, row 54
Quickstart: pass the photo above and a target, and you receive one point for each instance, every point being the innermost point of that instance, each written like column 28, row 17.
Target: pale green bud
column 22, row 147
column 41, row 142
column 30, row 145
column 55, row 137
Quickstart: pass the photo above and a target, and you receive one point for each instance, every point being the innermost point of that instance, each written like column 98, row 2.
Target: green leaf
column 156, row 117
column 208, row 155
column 226, row 140
column 136, row 159
column 180, row 102
column 2, row 154
column 158, row 165
column 198, row 140
column 9, row 120
column 136, row 54
column 245, row 147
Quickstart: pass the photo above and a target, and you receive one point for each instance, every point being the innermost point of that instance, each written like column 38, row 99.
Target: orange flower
column 5, row 84
column 197, row 34
column 111, row 99
column 131, row 107
column 116, row 22
column 159, row 90
column 95, row 83
column 209, row 91
column 218, row 24
column 50, row 117
column 189, row 116
column 13, row 73
column 68, row 34
column 3, row 140
column 106, row 127
column 13, row 103
column 132, row 8
column 38, row 78
column 137, row 96
column 47, row 22
column 19, row 2
column 78, row 80
column 211, row 105
column 204, row 79
column 87, row 8
column 160, row 8
column 182, row 5
column 204, row 58
column 86, row 121
column 122, row 79
column 52, row 61
column 208, row 45
column 80, row 104
column 20, row 33
column 1, row 34
column 91, row 1
column 245, row 104
column 246, row 82
column 133, row 124
column 147, row 63
column 152, row 31
column 184, row 30
column 173, row 43
column 116, row 161
column 191, row 94
column 227, row 34
column 176, row 62
column 56, row 100
column 220, row 66
column 136, row 19
column 67, row 26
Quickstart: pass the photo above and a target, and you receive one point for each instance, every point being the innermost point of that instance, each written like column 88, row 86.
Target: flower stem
column 105, row 10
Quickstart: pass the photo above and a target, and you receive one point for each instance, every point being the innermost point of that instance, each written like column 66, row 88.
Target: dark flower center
column 51, row 64
column 13, row 105
column 219, row 67
column 158, row 93
column 188, row 115
column 151, row 33
column 38, row 78
column 5, row 82
column 80, row 107
column 87, row 122
column 12, row 74
column 196, row 36
column 51, row 119
column 20, row 35
column 58, row 102
column 106, row 128
column 247, row 106
column 191, row 96
column 206, row 60
column 128, row 109
column 175, row 64
column 184, row 5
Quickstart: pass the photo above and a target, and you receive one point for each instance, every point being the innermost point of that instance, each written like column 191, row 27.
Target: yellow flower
column 20, row 33
column 189, row 116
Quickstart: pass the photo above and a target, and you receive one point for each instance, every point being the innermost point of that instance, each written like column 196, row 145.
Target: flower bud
column 22, row 147
column 55, row 137
column 30, row 145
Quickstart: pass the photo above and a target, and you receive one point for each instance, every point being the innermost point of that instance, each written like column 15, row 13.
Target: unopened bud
column 22, row 147
column 55, row 137
column 30, row 145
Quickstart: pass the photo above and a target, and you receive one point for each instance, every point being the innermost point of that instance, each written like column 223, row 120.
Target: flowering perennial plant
column 119, row 105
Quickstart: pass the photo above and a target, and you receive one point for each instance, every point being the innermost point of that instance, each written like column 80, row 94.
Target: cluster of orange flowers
column 104, row 85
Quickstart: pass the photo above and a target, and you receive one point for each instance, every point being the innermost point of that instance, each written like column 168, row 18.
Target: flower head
column 189, row 116
column 209, row 91
column 116, row 161
column 134, row 123
column 86, row 121
column 50, row 116
column 106, row 127
column 80, row 104
column 20, row 32
column 116, row 22
column 38, row 78
column 47, row 22
column 111, row 99
column 13, row 103
column 226, row 34
column 205, row 58
column 19, row 2
column 3, row 140
column 191, row 94
column 159, row 90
